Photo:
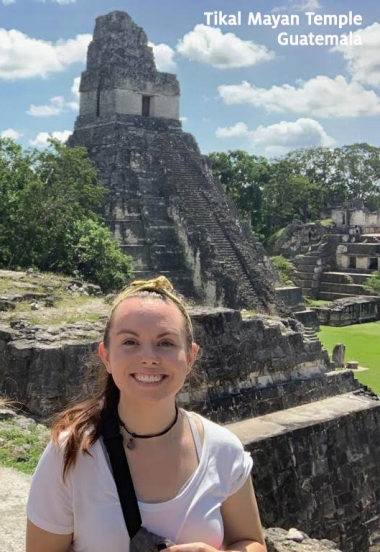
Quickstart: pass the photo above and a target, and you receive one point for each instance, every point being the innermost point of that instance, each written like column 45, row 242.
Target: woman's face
column 147, row 354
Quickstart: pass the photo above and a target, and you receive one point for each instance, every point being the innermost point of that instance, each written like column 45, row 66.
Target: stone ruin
column 334, row 262
column 314, row 433
column 164, row 204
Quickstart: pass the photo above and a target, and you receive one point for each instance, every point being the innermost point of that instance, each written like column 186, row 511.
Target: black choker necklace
column 131, row 444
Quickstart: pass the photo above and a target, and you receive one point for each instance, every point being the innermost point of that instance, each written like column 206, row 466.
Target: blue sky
column 240, row 88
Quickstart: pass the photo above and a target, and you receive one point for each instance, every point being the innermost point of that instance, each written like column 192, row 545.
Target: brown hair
column 79, row 425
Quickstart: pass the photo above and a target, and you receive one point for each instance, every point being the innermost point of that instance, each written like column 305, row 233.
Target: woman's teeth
column 148, row 378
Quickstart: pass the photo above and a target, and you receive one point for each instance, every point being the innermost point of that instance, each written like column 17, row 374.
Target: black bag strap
column 113, row 442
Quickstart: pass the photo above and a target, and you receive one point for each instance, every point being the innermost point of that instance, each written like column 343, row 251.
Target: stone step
column 305, row 273
column 366, row 249
column 349, row 289
column 327, row 296
column 343, row 278
column 305, row 261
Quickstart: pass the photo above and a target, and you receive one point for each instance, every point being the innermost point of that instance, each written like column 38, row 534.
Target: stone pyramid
column 168, row 211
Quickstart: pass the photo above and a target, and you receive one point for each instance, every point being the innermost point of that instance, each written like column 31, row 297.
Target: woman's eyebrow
column 170, row 332
column 127, row 331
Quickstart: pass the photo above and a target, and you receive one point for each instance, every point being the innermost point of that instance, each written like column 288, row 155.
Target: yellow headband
column 159, row 285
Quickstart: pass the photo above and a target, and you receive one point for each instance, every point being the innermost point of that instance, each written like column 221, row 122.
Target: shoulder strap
column 113, row 442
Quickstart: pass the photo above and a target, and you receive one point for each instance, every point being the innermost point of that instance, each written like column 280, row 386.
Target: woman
column 191, row 476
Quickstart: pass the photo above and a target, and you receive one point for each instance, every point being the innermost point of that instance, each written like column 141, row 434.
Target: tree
column 243, row 177
column 342, row 173
column 98, row 257
column 50, row 202
column 287, row 196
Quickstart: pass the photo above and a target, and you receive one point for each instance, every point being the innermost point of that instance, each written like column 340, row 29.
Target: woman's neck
column 147, row 418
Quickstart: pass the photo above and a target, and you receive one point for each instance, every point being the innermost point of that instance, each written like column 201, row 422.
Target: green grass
column 362, row 343
column 20, row 448
column 316, row 302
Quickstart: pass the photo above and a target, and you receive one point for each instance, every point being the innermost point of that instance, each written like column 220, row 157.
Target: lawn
column 362, row 343
column 21, row 447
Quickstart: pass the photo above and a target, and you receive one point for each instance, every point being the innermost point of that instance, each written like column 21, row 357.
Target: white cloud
column 363, row 61
column 183, row 119
column 74, row 103
column 281, row 137
column 58, row 104
column 319, row 97
column 75, row 88
column 64, row 1
column 164, row 57
column 8, row 2
column 42, row 139
column 299, row 6
column 210, row 46
column 54, row 108
column 23, row 57
column 11, row 133
column 240, row 129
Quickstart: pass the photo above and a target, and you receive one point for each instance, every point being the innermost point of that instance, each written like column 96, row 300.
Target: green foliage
column 270, row 242
column 243, row 177
column 50, row 205
column 304, row 185
column 373, row 283
column 21, row 448
column 342, row 173
column 285, row 268
column 287, row 196
column 98, row 257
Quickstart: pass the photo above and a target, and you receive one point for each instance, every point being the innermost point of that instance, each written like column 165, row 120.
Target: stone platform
column 352, row 310
column 317, row 464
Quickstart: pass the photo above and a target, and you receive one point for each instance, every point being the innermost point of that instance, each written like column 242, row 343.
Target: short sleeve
column 241, row 469
column 50, row 498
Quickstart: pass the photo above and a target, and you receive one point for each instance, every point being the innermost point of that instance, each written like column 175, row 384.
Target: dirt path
column 14, row 489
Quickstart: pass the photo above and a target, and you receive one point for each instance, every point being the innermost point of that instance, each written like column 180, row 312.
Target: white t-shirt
column 88, row 506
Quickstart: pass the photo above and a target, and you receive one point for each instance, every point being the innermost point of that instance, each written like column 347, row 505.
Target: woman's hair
column 79, row 425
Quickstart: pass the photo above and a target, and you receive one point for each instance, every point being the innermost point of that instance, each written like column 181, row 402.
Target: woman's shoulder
column 217, row 434
column 58, row 445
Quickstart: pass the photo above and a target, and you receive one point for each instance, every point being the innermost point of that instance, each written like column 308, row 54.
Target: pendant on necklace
column 131, row 444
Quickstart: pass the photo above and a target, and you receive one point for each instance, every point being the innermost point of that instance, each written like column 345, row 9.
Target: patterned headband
column 159, row 285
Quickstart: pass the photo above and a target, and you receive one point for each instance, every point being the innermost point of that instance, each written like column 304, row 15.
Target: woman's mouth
column 149, row 379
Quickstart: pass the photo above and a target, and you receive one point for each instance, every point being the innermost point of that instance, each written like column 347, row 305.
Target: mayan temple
column 169, row 212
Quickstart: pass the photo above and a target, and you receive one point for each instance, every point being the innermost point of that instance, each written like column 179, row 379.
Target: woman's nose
column 149, row 355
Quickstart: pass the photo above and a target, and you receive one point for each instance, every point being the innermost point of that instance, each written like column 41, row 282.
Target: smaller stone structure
column 354, row 215
column 334, row 262
column 345, row 312
column 338, row 354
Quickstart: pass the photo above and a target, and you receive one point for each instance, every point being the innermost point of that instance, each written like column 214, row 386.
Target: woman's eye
column 129, row 342
column 166, row 344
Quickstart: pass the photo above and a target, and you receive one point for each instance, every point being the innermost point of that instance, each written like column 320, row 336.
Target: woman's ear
column 192, row 356
column 104, row 355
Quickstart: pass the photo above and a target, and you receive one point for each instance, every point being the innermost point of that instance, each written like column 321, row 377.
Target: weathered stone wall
column 353, row 310
column 297, row 237
column 43, row 367
column 316, row 467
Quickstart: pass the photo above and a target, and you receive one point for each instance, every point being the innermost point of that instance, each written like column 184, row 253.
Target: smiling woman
column 191, row 477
